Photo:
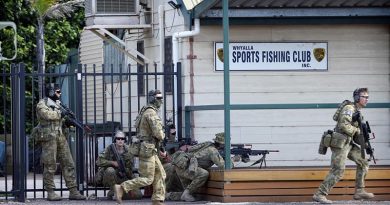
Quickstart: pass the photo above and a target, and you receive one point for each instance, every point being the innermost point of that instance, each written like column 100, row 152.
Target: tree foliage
column 60, row 36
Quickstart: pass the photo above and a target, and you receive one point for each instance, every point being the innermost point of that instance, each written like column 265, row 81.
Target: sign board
column 245, row 56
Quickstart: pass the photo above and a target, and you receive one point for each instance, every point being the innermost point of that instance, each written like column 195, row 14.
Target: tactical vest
column 53, row 125
column 141, row 133
column 182, row 159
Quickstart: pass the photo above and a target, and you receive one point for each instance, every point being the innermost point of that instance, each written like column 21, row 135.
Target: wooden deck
column 289, row 184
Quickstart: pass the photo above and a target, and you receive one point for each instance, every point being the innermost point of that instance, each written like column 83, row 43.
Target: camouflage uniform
column 109, row 175
column 350, row 150
column 173, row 185
column 207, row 155
column 151, row 171
column 55, row 145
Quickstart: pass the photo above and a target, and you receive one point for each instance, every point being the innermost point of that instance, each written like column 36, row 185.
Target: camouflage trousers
column 339, row 156
column 111, row 178
column 192, row 180
column 56, row 147
column 151, row 172
column 173, row 183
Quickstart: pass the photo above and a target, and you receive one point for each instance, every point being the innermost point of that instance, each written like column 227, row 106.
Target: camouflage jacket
column 49, row 118
column 105, row 158
column 345, row 124
column 207, row 155
column 151, row 127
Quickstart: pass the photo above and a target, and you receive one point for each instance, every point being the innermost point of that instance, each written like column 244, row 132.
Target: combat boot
column 168, row 196
column 118, row 193
column 110, row 194
column 52, row 196
column 74, row 194
column 186, row 196
column 156, row 202
column 361, row 194
column 319, row 197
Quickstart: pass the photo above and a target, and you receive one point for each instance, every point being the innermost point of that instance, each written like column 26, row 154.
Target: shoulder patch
column 348, row 112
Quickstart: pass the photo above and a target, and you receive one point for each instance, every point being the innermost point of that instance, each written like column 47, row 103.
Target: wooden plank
column 289, row 192
column 215, row 184
column 384, row 197
column 288, row 174
column 291, row 184
column 258, row 188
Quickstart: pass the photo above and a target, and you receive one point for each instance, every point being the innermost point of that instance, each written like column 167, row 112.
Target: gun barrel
column 368, row 127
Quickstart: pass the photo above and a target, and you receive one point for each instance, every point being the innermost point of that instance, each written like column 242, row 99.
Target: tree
column 49, row 9
column 62, row 35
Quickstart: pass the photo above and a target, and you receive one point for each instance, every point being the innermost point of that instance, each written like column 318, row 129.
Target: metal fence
column 102, row 97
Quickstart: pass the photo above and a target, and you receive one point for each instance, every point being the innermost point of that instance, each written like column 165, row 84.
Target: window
column 114, row 60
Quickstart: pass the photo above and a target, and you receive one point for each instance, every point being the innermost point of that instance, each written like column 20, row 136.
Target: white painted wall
column 91, row 52
column 358, row 57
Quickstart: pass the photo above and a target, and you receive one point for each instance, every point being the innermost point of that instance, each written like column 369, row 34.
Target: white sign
column 273, row 56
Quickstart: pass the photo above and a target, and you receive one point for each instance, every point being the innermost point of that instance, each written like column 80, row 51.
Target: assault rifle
column 245, row 150
column 119, row 160
column 69, row 114
column 364, row 137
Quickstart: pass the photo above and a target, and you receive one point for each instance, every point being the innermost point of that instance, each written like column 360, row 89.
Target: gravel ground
column 147, row 201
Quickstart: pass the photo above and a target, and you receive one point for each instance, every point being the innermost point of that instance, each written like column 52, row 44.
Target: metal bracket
column 103, row 28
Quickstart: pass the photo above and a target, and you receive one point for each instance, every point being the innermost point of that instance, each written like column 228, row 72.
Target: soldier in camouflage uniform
column 193, row 173
column 150, row 134
column 109, row 172
column 347, row 125
column 54, row 145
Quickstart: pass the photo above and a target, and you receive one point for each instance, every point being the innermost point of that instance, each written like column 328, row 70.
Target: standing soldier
column 150, row 135
column 348, row 126
column 191, row 167
column 54, row 145
column 113, row 170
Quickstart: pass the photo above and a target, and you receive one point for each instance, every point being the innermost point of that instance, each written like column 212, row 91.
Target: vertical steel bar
column 120, row 96
column 21, row 133
column 94, row 122
column 226, row 81
column 179, row 103
column 112, row 100
column 87, row 141
column 129, row 99
column 79, row 140
column 4, row 95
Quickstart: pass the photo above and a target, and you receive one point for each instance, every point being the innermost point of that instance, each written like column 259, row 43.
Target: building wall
column 358, row 57
column 91, row 53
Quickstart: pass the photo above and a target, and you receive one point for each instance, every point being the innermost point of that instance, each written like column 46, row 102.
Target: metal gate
column 105, row 98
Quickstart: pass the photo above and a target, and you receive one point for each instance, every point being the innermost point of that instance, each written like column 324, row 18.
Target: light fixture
column 190, row 4
column 174, row 5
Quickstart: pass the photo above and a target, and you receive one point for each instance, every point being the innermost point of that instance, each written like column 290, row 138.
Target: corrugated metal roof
column 303, row 3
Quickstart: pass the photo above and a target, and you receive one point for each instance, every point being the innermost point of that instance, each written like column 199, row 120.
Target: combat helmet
column 51, row 89
column 220, row 138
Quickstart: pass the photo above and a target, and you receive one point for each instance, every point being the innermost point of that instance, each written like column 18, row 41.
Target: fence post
column 80, row 141
column 18, row 131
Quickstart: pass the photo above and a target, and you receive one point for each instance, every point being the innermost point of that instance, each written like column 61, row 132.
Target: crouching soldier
column 192, row 167
column 116, row 166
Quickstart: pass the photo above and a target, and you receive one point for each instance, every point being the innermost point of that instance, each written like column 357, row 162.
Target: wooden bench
column 296, row 184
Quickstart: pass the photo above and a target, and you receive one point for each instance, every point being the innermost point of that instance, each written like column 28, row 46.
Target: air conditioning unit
column 111, row 12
